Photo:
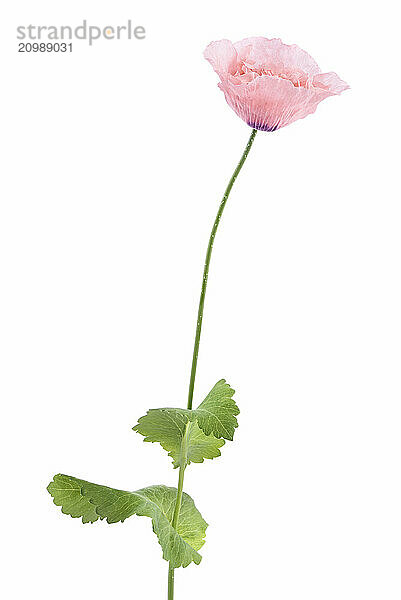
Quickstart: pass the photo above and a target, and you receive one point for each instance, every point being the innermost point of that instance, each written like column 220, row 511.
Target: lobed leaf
column 203, row 430
column 79, row 498
column 217, row 413
column 169, row 427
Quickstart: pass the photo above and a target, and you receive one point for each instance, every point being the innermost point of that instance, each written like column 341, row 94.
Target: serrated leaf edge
column 167, row 556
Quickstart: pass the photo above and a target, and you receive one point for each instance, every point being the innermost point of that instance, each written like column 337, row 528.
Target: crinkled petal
column 269, row 103
column 275, row 55
column 330, row 82
column 270, row 84
column 222, row 56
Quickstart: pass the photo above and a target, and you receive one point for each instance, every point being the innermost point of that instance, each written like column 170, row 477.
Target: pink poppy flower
column 270, row 84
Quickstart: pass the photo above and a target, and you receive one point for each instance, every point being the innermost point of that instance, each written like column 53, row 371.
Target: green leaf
column 169, row 427
column 67, row 493
column 201, row 446
column 90, row 501
column 217, row 413
column 202, row 430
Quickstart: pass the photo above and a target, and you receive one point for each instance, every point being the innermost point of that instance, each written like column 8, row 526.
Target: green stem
column 170, row 582
column 196, row 345
column 206, row 267
column 176, row 515
column 178, row 502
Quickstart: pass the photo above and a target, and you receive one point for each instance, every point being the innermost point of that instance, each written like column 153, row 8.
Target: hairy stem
column 197, row 341
column 207, row 264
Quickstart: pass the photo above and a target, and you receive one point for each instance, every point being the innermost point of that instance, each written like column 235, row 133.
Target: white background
column 115, row 159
